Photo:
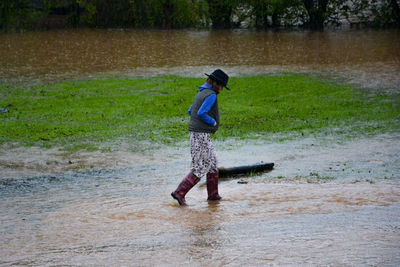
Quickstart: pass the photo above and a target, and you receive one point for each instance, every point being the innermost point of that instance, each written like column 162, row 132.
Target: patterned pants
column 204, row 159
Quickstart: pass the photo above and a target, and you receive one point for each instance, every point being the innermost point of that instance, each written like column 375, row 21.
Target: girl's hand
column 215, row 123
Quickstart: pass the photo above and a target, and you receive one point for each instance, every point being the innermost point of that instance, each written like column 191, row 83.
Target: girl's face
column 218, row 88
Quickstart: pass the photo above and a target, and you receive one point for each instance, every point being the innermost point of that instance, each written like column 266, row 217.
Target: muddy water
column 370, row 58
column 125, row 216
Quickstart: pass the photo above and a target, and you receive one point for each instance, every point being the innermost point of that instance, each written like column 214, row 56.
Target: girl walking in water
column 204, row 120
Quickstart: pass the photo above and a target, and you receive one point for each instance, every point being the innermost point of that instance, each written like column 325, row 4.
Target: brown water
column 292, row 216
column 126, row 217
column 370, row 58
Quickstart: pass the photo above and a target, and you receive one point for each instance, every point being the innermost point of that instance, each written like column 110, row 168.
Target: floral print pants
column 204, row 158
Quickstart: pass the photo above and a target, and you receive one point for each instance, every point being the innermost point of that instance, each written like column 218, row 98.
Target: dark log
column 243, row 170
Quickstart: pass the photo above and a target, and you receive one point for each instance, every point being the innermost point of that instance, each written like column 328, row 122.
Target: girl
column 204, row 120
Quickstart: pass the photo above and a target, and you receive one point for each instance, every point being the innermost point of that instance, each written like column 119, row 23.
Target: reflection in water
column 361, row 56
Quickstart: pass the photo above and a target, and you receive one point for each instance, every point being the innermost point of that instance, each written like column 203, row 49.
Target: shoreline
column 309, row 160
column 363, row 76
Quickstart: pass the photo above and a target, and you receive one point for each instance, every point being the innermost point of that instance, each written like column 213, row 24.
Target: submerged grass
column 85, row 114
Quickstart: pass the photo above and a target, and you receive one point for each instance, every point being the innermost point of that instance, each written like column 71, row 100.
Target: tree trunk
column 168, row 11
column 261, row 18
column 76, row 14
column 275, row 19
column 5, row 16
column 316, row 10
column 396, row 11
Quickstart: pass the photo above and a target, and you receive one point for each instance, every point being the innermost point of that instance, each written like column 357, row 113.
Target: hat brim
column 213, row 77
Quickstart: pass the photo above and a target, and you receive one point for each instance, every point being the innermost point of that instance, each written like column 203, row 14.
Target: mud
column 376, row 158
column 36, row 161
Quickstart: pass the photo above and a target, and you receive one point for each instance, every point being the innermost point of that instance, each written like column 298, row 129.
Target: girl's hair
column 211, row 80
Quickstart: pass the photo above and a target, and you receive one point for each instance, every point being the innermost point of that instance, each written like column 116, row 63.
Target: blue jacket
column 206, row 106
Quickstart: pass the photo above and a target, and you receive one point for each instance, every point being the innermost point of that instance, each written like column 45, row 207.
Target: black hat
column 220, row 77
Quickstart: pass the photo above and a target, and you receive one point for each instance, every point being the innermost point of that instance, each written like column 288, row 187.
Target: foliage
column 22, row 14
column 274, row 13
column 378, row 13
column 25, row 14
column 316, row 10
column 220, row 12
column 167, row 14
column 89, row 113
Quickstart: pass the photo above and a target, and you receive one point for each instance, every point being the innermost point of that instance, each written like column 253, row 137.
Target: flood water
column 126, row 217
column 370, row 58
column 326, row 203
column 289, row 216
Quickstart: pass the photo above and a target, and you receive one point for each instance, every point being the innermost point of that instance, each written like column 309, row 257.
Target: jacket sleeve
column 205, row 108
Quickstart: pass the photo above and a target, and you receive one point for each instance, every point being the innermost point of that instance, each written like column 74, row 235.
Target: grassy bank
column 85, row 114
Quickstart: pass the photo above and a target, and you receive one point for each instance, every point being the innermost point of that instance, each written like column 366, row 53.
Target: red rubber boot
column 212, row 186
column 187, row 183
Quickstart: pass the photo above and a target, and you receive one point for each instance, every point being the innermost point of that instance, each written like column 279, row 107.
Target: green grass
column 86, row 114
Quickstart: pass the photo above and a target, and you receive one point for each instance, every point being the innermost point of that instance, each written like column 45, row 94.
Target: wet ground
column 325, row 203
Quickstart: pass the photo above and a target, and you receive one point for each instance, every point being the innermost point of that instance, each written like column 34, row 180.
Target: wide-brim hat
column 219, row 76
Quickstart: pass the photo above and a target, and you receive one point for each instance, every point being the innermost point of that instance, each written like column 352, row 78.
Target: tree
column 5, row 8
column 317, row 12
column 260, row 13
column 179, row 13
column 20, row 14
column 396, row 11
column 276, row 13
column 220, row 12
column 171, row 14
column 377, row 13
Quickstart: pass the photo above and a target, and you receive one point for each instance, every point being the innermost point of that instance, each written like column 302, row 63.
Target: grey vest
column 196, row 124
